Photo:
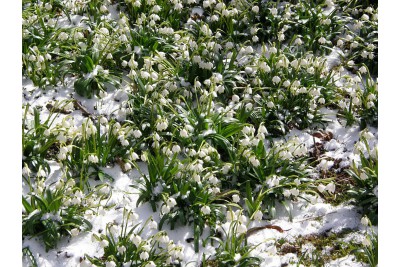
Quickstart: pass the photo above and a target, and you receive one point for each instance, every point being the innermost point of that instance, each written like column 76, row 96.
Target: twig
column 79, row 106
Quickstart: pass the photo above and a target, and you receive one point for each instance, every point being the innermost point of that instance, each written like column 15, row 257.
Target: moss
column 330, row 242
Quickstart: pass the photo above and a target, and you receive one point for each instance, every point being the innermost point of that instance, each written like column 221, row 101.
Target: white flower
column 363, row 176
column 364, row 221
column 103, row 243
column 74, row 232
column 171, row 202
column 235, row 198
column 103, row 9
column 298, row 41
column 363, row 69
column 153, row 224
column 150, row 264
column 276, row 79
column 255, row 9
column 93, row 159
column 286, row 193
column 78, row 35
column 235, row 98
column 241, row 228
column 325, row 165
column 366, row 242
column 136, row 239
column 205, row 210
column 258, row 215
column 331, row 187
column 127, row 166
column 137, row 133
column 176, row 149
column 121, row 249
column 270, row 104
column 183, row 133
column 144, row 255
column 274, row 11
column 294, row 191
column 165, row 209
column 111, row 264
column 237, row 257
column 321, row 188
column 322, row 40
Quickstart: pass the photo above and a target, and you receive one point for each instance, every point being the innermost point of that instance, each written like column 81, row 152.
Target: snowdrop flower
column 104, row 243
column 286, row 83
column 298, row 41
column 365, row 221
column 321, row 188
column 294, row 191
column 322, row 40
column 264, row 67
column 365, row 17
column 258, row 215
column 331, row 187
column 127, row 166
column 144, row 255
column 237, row 257
column 367, row 135
column 183, row 133
column 63, row 36
column 26, row 171
column 274, row 11
column 241, row 228
column 235, row 98
column 206, row 210
column 137, row 133
column 255, row 162
column 74, row 232
column 93, row 159
column 286, row 193
column 121, row 249
column 136, row 239
column 85, row 263
column 366, row 242
column 78, row 35
column 270, row 104
column 41, row 172
column 176, row 149
column 153, row 224
column 276, row 79
column 255, row 9
column 103, row 9
column 171, row 202
column 235, row 198
column 363, row 176
column 325, row 165
column 111, row 264
column 150, row 264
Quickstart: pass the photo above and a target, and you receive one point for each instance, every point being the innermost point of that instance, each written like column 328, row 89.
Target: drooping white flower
column 276, row 80
column 74, row 232
column 235, row 198
column 111, row 264
column 205, row 210
column 258, row 215
column 331, row 187
column 363, row 176
column 321, row 188
column 144, row 255
column 104, row 243
column 365, row 221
